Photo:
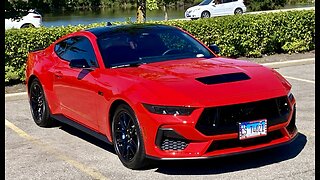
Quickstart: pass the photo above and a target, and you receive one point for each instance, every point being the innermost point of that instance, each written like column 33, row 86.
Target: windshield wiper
column 131, row 64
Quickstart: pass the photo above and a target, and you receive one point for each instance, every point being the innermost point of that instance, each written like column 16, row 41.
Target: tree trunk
column 141, row 11
column 165, row 12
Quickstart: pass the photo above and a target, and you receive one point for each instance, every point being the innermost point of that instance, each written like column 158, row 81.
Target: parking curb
column 271, row 65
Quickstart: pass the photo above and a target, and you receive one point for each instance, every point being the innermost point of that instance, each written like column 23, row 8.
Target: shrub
column 261, row 5
column 250, row 35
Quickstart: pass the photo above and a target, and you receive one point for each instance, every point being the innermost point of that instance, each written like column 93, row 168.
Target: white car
column 32, row 19
column 212, row 8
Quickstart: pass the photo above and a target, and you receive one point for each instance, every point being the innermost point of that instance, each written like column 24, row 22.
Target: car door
column 76, row 88
column 229, row 6
column 217, row 8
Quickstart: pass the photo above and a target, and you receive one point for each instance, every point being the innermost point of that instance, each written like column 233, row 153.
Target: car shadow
column 209, row 166
column 234, row 163
column 93, row 140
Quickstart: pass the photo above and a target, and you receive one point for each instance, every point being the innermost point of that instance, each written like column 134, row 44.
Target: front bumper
column 176, row 137
column 192, row 14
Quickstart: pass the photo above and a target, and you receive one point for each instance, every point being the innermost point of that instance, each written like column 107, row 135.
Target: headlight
column 170, row 110
column 290, row 96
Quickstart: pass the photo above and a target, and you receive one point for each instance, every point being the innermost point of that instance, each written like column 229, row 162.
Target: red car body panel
column 86, row 96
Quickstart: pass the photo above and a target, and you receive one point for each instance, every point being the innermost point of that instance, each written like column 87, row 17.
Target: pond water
column 114, row 15
column 104, row 15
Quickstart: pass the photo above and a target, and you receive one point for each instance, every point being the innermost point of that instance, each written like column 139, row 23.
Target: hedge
column 250, row 35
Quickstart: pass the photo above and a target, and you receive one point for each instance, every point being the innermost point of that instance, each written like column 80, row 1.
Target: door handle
column 58, row 74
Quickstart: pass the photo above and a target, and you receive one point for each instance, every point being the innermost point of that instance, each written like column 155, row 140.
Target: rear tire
column 238, row 11
column 127, row 138
column 28, row 25
column 38, row 105
column 205, row 14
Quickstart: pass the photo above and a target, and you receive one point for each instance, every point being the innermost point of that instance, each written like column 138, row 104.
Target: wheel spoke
column 118, row 131
column 33, row 99
column 33, row 92
column 133, row 146
column 122, row 122
column 127, row 152
column 121, row 149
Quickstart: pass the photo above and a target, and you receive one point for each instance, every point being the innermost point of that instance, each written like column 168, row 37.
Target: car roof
column 102, row 31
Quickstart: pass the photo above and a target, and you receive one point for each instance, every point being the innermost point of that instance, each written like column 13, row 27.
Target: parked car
column 212, row 8
column 32, row 19
column 155, row 92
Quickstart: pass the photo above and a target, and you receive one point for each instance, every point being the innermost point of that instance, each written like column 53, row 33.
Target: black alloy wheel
column 38, row 105
column 127, row 138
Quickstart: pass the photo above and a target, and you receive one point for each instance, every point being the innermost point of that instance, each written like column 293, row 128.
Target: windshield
column 135, row 46
column 205, row 2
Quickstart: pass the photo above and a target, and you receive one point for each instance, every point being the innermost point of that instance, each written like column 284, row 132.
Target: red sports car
column 156, row 92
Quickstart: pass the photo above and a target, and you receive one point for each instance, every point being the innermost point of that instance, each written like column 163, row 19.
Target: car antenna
column 109, row 24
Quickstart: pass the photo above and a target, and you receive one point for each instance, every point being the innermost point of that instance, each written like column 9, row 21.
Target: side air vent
column 223, row 78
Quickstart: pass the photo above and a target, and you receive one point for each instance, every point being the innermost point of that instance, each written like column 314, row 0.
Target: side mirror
column 214, row 48
column 79, row 63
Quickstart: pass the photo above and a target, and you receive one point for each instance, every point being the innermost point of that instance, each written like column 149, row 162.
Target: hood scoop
column 223, row 78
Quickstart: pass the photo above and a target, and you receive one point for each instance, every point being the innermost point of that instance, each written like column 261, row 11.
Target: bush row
column 250, row 35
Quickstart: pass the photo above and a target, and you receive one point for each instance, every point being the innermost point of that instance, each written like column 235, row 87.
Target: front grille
column 173, row 144
column 225, row 119
column 234, row 143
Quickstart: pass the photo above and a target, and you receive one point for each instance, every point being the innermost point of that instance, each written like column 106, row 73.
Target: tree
column 15, row 9
column 141, row 11
column 260, row 5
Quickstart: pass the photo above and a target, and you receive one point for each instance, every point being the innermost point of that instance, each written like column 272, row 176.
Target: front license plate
column 252, row 129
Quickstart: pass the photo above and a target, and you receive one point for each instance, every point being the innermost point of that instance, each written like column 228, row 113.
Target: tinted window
column 205, row 2
column 227, row 1
column 76, row 48
column 61, row 47
column 147, row 45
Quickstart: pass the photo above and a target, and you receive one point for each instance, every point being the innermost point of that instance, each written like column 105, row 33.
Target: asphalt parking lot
column 63, row 152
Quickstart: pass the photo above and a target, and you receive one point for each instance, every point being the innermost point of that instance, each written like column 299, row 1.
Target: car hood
column 197, row 7
column 198, row 82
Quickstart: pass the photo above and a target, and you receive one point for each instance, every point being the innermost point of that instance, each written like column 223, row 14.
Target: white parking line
column 290, row 63
column 16, row 94
column 85, row 169
column 298, row 79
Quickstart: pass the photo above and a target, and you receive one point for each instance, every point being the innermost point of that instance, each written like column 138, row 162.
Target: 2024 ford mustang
column 156, row 92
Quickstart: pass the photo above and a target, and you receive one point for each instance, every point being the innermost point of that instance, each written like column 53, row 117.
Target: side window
column 77, row 48
column 175, row 41
column 227, row 1
column 62, row 46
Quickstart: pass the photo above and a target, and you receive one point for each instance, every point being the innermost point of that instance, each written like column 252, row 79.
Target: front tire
column 205, row 14
column 127, row 138
column 38, row 105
